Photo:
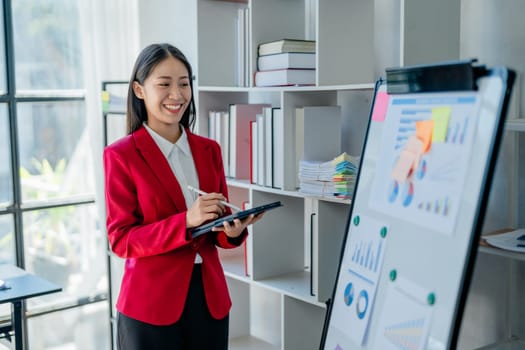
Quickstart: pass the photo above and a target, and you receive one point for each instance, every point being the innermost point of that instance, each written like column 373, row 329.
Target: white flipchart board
column 414, row 224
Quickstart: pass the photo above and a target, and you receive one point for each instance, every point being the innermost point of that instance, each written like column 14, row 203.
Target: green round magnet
column 431, row 299
column 356, row 220
column 393, row 275
column 383, row 232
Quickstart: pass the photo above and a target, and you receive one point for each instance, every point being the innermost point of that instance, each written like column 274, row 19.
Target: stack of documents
column 345, row 175
column 333, row 178
column 316, row 178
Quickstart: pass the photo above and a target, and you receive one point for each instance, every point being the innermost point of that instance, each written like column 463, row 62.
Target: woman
column 173, row 293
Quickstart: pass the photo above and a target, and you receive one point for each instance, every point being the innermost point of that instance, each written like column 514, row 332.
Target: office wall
column 494, row 32
column 171, row 21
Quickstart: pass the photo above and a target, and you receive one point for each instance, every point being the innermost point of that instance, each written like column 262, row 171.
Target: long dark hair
column 148, row 58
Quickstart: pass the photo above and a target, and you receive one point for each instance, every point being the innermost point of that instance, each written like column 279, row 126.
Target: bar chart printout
column 360, row 272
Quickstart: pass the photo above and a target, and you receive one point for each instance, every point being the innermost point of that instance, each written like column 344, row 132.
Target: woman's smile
column 173, row 107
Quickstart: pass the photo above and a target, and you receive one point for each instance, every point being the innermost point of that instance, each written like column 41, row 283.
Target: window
column 3, row 81
column 49, row 222
column 54, row 151
column 6, row 182
column 47, row 45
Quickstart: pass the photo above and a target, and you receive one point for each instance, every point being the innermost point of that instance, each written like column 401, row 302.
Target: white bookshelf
column 294, row 251
column 297, row 245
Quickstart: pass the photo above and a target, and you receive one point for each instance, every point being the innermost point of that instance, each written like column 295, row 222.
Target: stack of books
column 286, row 62
column 345, row 175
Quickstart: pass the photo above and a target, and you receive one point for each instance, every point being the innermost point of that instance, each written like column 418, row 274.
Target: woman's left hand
column 238, row 226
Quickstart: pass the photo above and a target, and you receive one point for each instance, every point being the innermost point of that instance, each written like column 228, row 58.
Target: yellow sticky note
column 440, row 116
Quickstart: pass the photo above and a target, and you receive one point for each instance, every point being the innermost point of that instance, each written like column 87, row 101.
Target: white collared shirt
column 180, row 159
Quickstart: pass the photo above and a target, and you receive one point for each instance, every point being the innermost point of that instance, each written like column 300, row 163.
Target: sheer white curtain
column 111, row 42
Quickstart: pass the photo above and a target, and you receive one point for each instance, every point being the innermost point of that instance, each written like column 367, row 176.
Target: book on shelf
column 219, row 130
column 278, row 137
column 242, row 43
column 286, row 45
column 240, row 117
column 284, row 155
column 285, row 77
column 253, row 152
column 268, row 146
column 261, row 159
column 285, row 60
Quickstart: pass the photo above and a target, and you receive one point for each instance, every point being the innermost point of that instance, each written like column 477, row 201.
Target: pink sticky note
column 380, row 106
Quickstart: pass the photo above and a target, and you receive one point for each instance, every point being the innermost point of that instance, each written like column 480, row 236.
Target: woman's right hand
column 206, row 207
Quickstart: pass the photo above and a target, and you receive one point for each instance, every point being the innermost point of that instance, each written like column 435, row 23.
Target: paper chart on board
column 405, row 318
column 359, row 275
column 427, row 144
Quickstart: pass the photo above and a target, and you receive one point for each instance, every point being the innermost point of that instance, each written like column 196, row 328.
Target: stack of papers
column 345, row 175
column 333, row 178
column 513, row 241
column 316, row 178
column 318, row 188
column 318, row 171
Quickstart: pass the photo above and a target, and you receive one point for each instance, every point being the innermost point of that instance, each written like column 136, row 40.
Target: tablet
column 197, row 231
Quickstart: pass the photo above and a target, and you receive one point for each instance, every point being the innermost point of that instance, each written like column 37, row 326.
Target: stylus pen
column 196, row 190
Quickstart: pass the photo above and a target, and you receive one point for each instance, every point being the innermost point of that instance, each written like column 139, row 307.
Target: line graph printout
column 405, row 318
column 359, row 276
column 427, row 143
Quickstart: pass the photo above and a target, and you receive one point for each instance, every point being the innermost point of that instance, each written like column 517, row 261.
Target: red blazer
column 146, row 224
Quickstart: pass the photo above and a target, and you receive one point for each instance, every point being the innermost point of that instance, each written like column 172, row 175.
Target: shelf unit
column 293, row 253
column 295, row 249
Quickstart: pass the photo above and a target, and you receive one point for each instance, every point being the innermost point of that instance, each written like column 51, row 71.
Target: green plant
column 45, row 183
column 46, row 229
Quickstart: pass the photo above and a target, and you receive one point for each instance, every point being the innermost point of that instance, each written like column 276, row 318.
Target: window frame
column 11, row 98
